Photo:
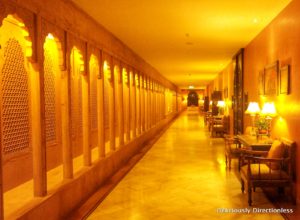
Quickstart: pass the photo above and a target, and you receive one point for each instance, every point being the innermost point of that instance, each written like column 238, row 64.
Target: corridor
column 183, row 176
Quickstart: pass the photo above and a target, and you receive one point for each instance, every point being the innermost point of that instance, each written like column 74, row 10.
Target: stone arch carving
column 15, row 53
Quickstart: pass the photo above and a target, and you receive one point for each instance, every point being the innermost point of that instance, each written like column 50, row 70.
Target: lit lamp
column 269, row 111
column 253, row 109
column 221, row 105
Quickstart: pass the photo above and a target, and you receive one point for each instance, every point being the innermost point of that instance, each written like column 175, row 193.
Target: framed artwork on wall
column 271, row 79
column 284, row 80
column 261, row 83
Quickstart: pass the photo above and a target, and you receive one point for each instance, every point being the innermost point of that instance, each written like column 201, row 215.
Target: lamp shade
column 221, row 104
column 269, row 109
column 253, row 108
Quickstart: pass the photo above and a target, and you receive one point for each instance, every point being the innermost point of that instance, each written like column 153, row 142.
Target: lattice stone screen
column 50, row 111
column 76, row 99
column 14, row 100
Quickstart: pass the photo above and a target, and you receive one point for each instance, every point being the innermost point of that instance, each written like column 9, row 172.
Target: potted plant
column 262, row 125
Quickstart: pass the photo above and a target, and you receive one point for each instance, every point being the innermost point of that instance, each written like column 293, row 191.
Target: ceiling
column 187, row 41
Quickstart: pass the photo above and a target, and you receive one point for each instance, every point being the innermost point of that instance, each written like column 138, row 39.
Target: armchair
column 232, row 149
column 274, row 170
column 219, row 125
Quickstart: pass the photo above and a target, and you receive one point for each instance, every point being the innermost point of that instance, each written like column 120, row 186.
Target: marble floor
column 183, row 176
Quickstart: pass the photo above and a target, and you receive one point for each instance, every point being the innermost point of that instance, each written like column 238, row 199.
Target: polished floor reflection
column 183, row 176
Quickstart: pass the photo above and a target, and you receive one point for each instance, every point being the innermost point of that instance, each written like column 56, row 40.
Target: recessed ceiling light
column 255, row 20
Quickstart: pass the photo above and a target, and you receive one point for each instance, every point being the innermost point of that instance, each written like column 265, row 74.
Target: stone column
column 111, row 108
column 38, row 137
column 128, row 125
column 133, row 105
column 143, row 108
column 85, row 118
column 121, row 108
column 100, row 109
column 138, row 106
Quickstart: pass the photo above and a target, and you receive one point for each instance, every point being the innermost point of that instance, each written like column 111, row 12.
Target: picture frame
column 271, row 79
column 284, row 80
column 261, row 83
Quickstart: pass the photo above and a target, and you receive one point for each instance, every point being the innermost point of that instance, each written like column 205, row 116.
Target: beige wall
column 279, row 41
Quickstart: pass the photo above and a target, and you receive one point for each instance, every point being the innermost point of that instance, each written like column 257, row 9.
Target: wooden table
column 253, row 143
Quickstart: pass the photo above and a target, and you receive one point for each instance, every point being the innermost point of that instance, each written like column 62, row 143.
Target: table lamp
column 221, row 105
column 253, row 109
column 269, row 112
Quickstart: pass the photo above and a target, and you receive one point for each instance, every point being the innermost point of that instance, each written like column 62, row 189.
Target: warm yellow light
column 106, row 70
column 253, row 108
column 210, row 103
column 137, row 80
column 105, row 66
column 25, row 33
column 125, row 76
column 269, row 109
column 50, row 36
column 221, row 104
column 191, row 87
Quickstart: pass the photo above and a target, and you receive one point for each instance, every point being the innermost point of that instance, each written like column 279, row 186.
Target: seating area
column 263, row 160
column 273, row 168
column 263, row 164
column 218, row 125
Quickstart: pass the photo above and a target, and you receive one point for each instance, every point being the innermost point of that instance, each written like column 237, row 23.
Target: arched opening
column 16, row 118
column 94, row 93
column 53, row 124
column 107, row 104
column 118, row 103
column 138, row 103
column 76, row 74
column 192, row 99
column 132, row 100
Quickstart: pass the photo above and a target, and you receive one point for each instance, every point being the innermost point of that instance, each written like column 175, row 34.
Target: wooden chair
column 207, row 116
column 274, row 168
column 232, row 149
column 216, row 126
column 220, row 126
